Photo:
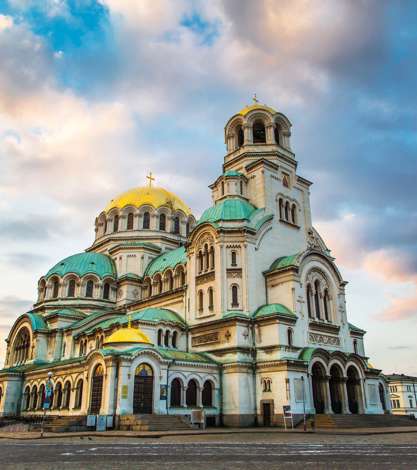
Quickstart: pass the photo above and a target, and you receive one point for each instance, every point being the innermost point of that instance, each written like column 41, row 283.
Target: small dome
column 228, row 209
column 85, row 263
column 252, row 107
column 128, row 335
column 154, row 196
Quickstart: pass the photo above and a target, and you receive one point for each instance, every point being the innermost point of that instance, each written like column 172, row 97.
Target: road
column 54, row 454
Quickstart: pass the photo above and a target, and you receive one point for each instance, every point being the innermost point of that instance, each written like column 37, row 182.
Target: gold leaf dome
column 127, row 335
column 144, row 195
column 259, row 106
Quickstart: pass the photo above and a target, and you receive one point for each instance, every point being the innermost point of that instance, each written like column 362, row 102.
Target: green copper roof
column 235, row 314
column 156, row 315
column 84, row 263
column 133, row 243
column 274, row 309
column 169, row 259
column 284, row 262
column 355, row 328
column 67, row 312
column 228, row 210
column 37, row 321
column 90, row 317
column 232, row 173
column 306, row 354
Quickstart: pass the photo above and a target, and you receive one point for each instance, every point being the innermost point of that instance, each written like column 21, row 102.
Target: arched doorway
column 318, row 378
column 382, row 396
column 96, row 390
column 335, row 385
column 143, row 390
column 353, row 389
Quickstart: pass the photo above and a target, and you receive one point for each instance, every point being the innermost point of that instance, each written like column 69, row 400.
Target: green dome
column 158, row 314
column 228, row 209
column 85, row 263
column 232, row 173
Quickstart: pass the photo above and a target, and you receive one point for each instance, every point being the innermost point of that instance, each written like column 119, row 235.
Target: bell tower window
column 259, row 134
column 240, row 136
column 146, row 221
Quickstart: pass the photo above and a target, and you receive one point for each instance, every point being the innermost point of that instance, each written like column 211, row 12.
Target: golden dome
column 128, row 335
column 154, row 196
column 261, row 107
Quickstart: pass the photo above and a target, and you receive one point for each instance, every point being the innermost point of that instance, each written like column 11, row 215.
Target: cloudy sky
column 94, row 94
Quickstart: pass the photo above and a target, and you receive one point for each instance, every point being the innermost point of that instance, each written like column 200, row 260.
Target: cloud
column 24, row 260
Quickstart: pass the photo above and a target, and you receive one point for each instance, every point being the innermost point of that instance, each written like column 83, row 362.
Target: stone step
column 362, row 421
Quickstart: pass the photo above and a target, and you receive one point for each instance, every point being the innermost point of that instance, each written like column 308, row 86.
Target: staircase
column 336, row 421
column 61, row 424
column 153, row 422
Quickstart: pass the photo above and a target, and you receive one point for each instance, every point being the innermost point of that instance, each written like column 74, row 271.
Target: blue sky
column 93, row 95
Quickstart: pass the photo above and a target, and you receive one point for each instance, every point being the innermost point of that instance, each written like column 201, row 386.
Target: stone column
column 107, row 406
column 183, row 395
column 124, row 401
column 247, row 131
column 327, row 396
column 344, row 396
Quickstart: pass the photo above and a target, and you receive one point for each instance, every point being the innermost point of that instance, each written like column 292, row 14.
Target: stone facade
column 244, row 310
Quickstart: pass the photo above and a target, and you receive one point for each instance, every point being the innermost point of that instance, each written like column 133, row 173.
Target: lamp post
column 304, row 406
column 47, row 402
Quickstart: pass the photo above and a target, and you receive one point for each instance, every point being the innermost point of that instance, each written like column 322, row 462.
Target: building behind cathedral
column 241, row 312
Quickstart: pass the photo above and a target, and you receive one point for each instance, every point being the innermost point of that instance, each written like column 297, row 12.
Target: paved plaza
column 213, row 452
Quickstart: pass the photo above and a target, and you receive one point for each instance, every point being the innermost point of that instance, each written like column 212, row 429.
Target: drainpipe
column 171, row 363
column 253, row 353
column 116, row 392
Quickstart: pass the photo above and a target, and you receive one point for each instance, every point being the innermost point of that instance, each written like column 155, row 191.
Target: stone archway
column 318, row 378
column 96, row 390
column 353, row 386
column 336, row 384
column 143, row 390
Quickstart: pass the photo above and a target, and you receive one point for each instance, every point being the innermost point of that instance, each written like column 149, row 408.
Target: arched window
column 287, row 211
column 182, row 278
column 146, row 221
column 1, row 395
column 162, row 222
column 233, row 261
column 207, row 395
column 105, row 227
column 21, row 347
column 206, row 258
column 42, row 290
column 294, row 214
column 58, row 396
column 174, row 339
column 89, row 288
column 106, row 291
column 191, row 395
column 34, row 398
column 116, row 223
column 355, row 346
column 326, row 302
column 55, row 288
column 211, row 257
column 200, row 301
column 67, row 395
column 210, row 298
column 222, row 188
column 277, row 131
column 41, row 396
column 96, row 390
column 241, row 188
column 187, row 228
column 281, row 208
column 259, row 135
column 235, row 296
column 166, row 339
column 290, row 337
column 176, row 393
column 170, row 281
column 309, row 296
column 130, row 221
column 317, row 299
column 158, row 284
column 160, row 332
column 79, row 394
column 200, row 262
column 26, row 399
column 176, row 225
column 240, row 136
column 71, row 288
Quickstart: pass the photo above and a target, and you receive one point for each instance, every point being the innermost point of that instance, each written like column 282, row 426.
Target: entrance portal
column 143, row 391
column 318, row 378
column 266, row 411
column 353, row 389
column 96, row 390
column 335, row 385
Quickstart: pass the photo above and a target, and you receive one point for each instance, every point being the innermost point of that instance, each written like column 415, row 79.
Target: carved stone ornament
column 325, row 340
column 312, row 240
column 205, row 339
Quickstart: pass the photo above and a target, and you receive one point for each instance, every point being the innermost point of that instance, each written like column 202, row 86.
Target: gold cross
column 150, row 178
column 255, row 99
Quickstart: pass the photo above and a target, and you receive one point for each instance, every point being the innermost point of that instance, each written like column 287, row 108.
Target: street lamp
column 47, row 401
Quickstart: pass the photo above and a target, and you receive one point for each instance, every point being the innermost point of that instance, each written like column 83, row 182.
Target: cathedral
column 240, row 314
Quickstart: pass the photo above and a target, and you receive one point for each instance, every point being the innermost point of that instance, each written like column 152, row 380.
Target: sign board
column 109, row 422
column 101, row 423
column 287, row 411
column 163, row 392
column 125, row 391
column 91, row 420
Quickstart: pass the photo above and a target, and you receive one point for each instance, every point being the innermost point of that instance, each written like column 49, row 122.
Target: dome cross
column 151, row 178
